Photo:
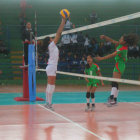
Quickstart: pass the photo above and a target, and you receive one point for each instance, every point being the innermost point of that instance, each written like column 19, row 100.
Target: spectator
column 74, row 38
column 94, row 47
column 136, row 51
column 69, row 60
column 87, row 43
column 83, row 61
column 75, row 63
column 69, row 57
column 74, row 42
column 80, row 38
column 66, row 40
column 26, row 40
column 93, row 17
column 69, row 25
column 133, row 51
column 40, row 47
column 62, row 64
column 101, row 49
column 42, row 61
column 130, row 51
column 107, row 45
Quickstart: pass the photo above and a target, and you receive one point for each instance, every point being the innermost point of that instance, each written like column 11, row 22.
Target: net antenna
column 36, row 45
column 96, row 25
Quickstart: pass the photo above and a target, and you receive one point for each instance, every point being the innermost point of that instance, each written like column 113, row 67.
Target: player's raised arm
column 59, row 31
column 109, row 39
column 106, row 57
column 65, row 14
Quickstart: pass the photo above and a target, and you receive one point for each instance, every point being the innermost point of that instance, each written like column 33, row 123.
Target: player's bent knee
column 88, row 95
column 92, row 95
column 115, row 84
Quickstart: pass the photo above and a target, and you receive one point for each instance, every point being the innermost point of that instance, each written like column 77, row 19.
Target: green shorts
column 119, row 67
column 92, row 84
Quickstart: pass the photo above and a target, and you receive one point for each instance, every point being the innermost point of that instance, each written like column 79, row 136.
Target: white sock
column 116, row 94
column 49, row 92
column 93, row 100
column 88, row 100
column 114, row 91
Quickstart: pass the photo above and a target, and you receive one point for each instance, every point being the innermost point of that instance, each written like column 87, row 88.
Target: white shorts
column 51, row 70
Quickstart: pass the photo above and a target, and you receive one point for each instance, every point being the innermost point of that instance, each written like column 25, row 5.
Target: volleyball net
column 73, row 55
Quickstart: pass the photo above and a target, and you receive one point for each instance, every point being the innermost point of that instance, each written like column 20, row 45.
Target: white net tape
column 103, row 23
column 133, row 82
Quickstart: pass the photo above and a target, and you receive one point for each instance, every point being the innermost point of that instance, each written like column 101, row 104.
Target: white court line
column 74, row 123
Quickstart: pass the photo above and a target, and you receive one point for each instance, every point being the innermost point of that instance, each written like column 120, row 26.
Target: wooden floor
column 70, row 122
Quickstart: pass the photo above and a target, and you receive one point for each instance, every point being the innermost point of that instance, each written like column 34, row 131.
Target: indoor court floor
column 69, row 121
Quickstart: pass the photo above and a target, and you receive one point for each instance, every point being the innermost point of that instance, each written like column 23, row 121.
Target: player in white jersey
column 52, row 63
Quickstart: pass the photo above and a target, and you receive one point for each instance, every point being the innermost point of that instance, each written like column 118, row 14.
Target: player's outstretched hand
column 63, row 19
column 98, row 58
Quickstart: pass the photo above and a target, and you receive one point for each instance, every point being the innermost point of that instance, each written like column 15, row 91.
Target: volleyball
column 65, row 13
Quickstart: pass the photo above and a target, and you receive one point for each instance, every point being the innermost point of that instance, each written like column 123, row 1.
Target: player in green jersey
column 121, row 58
column 94, row 70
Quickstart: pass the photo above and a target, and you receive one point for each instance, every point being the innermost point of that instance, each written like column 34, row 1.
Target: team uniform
column 53, row 59
column 121, row 58
column 93, row 70
column 51, row 71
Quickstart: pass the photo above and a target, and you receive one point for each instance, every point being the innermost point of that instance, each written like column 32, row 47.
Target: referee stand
column 29, row 76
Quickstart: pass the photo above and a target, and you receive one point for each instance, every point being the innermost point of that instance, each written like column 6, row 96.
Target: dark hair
column 87, row 65
column 131, row 39
column 46, row 42
column 91, row 55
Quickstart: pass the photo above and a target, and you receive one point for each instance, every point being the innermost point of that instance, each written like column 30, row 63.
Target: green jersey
column 120, row 59
column 121, row 53
column 93, row 70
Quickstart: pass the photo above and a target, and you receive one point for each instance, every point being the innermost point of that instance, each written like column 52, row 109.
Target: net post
column 25, row 96
column 25, row 82
column 31, row 72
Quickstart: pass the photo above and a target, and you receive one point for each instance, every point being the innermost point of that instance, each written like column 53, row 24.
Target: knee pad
column 92, row 95
column 88, row 95
column 115, row 84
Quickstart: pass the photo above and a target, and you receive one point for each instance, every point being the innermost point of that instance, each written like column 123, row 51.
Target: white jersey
column 53, row 54
column 74, row 38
